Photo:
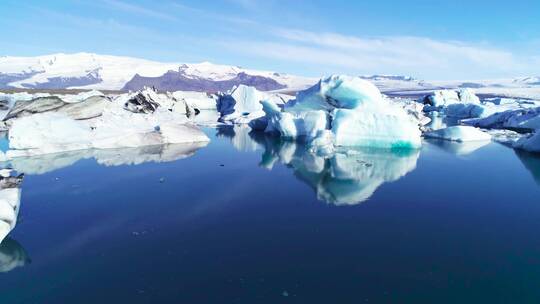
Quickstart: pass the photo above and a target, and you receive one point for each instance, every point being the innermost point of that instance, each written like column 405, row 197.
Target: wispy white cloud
column 139, row 10
column 211, row 15
column 418, row 56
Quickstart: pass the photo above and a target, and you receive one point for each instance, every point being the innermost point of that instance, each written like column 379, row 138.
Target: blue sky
column 425, row 39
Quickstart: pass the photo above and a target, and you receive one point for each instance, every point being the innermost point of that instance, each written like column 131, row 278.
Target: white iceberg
column 243, row 104
column 240, row 102
column 462, row 103
column 131, row 120
column 147, row 101
column 351, row 108
column 197, row 100
column 526, row 119
column 442, row 98
column 459, row 134
column 80, row 97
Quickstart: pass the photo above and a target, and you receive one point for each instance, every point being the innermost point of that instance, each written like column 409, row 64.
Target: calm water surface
column 250, row 219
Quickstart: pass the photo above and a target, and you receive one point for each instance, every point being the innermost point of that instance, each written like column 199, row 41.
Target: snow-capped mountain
column 104, row 72
column 92, row 71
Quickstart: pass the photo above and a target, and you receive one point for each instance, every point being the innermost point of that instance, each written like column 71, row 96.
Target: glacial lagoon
column 250, row 218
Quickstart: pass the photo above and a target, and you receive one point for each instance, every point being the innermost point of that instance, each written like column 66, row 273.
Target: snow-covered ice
column 130, row 120
column 197, row 100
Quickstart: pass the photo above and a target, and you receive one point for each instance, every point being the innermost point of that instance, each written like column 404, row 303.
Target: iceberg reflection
column 10, row 200
column 458, row 148
column 12, row 255
column 239, row 136
column 345, row 177
column 41, row 164
column 531, row 161
column 10, row 191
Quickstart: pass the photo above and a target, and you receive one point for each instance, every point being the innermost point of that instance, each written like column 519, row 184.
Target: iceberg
column 462, row 103
column 459, row 134
column 84, row 105
column 242, row 104
column 442, row 98
column 131, row 120
column 148, row 100
column 351, row 108
column 526, row 119
column 197, row 100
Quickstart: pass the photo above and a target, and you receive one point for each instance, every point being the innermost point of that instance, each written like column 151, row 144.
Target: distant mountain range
column 104, row 72
column 92, row 71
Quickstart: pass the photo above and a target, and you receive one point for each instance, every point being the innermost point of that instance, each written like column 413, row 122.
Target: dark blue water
column 250, row 219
